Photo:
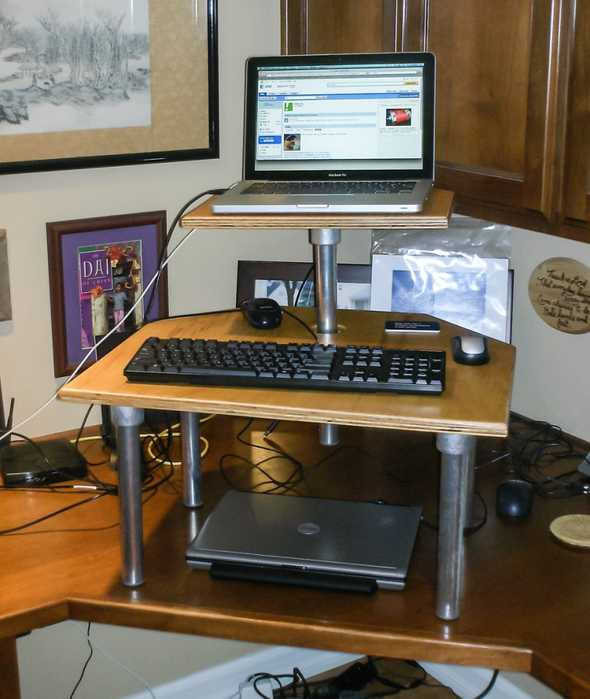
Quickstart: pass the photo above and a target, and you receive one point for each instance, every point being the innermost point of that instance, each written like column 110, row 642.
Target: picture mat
column 179, row 67
column 470, row 292
column 5, row 305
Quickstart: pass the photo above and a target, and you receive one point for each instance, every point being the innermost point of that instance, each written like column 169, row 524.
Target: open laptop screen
column 347, row 116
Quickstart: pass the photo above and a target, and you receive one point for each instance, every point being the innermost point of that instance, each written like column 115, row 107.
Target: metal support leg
column 127, row 422
column 325, row 242
column 191, row 458
column 457, row 452
column 329, row 435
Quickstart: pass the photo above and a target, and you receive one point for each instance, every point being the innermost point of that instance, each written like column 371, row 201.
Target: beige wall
column 547, row 385
column 203, row 277
column 552, row 381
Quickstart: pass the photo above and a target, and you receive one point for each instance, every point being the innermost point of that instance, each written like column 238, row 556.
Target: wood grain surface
column 525, row 604
column 436, row 213
column 476, row 399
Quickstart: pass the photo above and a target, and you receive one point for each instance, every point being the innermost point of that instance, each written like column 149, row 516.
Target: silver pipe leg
column 191, row 458
column 456, row 461
column 127, row 421
column 329, row 436
column 325, row 242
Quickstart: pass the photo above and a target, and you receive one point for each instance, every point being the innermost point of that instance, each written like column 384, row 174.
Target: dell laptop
column 298, row 540
column 350, row 133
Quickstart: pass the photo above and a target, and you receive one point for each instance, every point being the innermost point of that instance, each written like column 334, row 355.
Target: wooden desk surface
column 525, row 607
column 436, row 213
column 475, row 401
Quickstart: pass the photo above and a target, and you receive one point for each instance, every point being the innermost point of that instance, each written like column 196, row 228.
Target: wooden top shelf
column 436, row 214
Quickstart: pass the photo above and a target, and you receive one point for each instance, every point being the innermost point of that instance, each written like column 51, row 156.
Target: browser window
column 351, row 116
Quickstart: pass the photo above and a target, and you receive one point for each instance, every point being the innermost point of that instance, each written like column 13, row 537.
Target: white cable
column 76, row 371
column 114, row 660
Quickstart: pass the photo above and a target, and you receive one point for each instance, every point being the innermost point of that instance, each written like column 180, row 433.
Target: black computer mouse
column 514, row 499
column 263, row 314
column 470, row 349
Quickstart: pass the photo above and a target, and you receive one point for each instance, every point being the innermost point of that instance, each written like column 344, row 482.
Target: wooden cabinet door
column 513, row 95
column 494, row 63
column 575, row 202
column 338, row 26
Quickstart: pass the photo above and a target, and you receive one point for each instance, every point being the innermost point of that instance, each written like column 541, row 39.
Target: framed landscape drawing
column 282, row 282
column 98, row 270
column 87, row 84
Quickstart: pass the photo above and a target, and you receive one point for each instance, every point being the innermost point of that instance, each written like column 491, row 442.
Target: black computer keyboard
column 331, row 187
column 282, row 365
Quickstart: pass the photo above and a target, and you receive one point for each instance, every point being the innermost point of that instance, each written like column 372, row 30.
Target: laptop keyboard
column 330, row 187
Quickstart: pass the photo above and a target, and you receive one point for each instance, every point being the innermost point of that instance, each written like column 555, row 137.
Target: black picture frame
column 182, row 112
column 290, row 273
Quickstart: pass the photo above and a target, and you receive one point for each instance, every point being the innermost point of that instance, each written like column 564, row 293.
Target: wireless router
column 30, row 465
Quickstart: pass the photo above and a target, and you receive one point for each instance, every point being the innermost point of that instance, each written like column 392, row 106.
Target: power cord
column 369, row 676
column 96, row 646
column 171, row 229
column 151, row 485
column 88, row 659
column 303, row 283
column 531, row 454
column 271, row 484
column 490, row 685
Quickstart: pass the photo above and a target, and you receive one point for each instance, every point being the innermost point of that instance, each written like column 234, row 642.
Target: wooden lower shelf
column 525, row 603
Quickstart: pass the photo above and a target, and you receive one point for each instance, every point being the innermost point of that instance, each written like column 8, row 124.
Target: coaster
column 573, row 530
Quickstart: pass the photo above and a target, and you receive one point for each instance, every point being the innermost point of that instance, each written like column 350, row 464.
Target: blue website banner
column 344, row 96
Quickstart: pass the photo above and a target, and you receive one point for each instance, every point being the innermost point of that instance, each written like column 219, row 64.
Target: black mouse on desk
column 262, row 314
column 514, row 499
column 470, row 349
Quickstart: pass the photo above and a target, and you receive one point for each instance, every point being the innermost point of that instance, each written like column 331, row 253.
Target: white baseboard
column 222, row 681
column 471, row 681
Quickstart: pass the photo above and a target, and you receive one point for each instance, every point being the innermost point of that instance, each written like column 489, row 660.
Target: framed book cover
column 98, row 271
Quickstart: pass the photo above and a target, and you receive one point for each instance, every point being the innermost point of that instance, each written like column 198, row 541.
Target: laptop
column 304, row 540
column 350, row 133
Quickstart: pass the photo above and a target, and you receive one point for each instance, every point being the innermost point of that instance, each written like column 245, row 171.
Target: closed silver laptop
column 356, row 539
column 351, row 133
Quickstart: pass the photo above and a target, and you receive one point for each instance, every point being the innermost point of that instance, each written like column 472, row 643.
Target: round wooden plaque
column 559, row 289
column 573, row 530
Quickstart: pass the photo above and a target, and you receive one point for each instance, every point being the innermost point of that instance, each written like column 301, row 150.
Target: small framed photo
column 292, row 283
column 98, row 269
column 475, row 293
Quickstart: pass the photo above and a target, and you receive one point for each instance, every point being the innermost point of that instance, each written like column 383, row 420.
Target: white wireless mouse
column 470, row 349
